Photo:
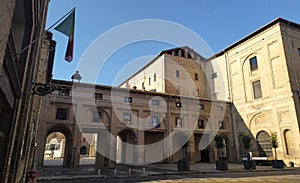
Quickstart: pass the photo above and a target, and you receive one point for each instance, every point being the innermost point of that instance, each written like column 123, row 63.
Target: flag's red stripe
column 70, row 48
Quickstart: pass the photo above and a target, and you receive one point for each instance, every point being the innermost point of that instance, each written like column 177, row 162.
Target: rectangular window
column 127, row 118
column 176, row 53
column 257, row 89
column 143, row 85
column 196, row 76
column 177, row 73
column 96, row 116
column 98, row 96
column 154, row 77
column 201, row 124
column 178, row 123
column 182, row 53
column 149, row 81
column 299, row 51
column 221, row 125
column 214, row 75
column 155, row 102
column 201, row 106
column 155, row 121
column 220, row 108
column 64, row 92
column 253, row 63
column 128, row 99
column 61, row 113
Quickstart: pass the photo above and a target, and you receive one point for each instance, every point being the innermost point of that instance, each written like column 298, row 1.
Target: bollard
column 115, row 171
column 129, row 171
column 99, row 171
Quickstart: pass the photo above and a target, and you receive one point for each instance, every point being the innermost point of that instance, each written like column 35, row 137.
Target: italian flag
column 67, row 28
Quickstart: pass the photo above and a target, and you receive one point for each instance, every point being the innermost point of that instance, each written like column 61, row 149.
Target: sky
column 218, row 23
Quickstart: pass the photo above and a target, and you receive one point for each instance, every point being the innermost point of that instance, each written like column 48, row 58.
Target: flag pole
column 36, row 39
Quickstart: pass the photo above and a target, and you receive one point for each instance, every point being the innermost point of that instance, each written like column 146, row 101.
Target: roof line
column 272, row 23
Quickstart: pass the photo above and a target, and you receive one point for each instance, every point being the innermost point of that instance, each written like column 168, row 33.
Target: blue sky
column 219, row 23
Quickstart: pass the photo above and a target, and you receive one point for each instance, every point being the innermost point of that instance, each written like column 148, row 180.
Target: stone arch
column 290, row 146
column 106, row 118
column 264, row 144
column 259, row 121
column 125, row 150
column 67, row 132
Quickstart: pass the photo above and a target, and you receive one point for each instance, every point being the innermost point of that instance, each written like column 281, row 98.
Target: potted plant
column 248, row 164
column 274, row 141
column 221, row 164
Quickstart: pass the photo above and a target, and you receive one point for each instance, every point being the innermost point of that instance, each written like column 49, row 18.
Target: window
column 221, row 125
column 182, row 53
column 299, row 51
column 149, row 81
column 98, row 96
column 257, row 89
column 220, row 108
column 96, row 116
column 253, row 63
column 128, row 99
column 127, row 118
column 214, row 75
column 178, row 123
column 176, row 53
column 177, row 73
column 201, row 124
column 198, row 92
column 196, row 76
column 154, row 77
column 155, row 121
column 64, row 92
column 201, row 106
column 143, row 85
column 61, row 113
column 155, row 102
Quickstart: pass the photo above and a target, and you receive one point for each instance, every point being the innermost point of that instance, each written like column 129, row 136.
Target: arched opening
column 58, row 147
column 125, row 147
column 83, row 151
column 88, row 148
column 289, row 143
column 264, row 144
column 54, row 149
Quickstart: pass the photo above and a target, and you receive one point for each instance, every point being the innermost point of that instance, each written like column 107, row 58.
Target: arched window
column 264, row 143
column 289, row 143
column 83, row 150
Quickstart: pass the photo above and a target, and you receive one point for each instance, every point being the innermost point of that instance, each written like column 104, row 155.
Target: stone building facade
column 21, row 37
column 262, row 74
column 176, row 71
column 134, row 126
column 258, row 74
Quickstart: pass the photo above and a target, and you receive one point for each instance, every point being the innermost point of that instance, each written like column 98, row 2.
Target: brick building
column 21, row 37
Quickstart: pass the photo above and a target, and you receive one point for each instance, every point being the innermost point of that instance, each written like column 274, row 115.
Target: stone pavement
column 90, row 171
